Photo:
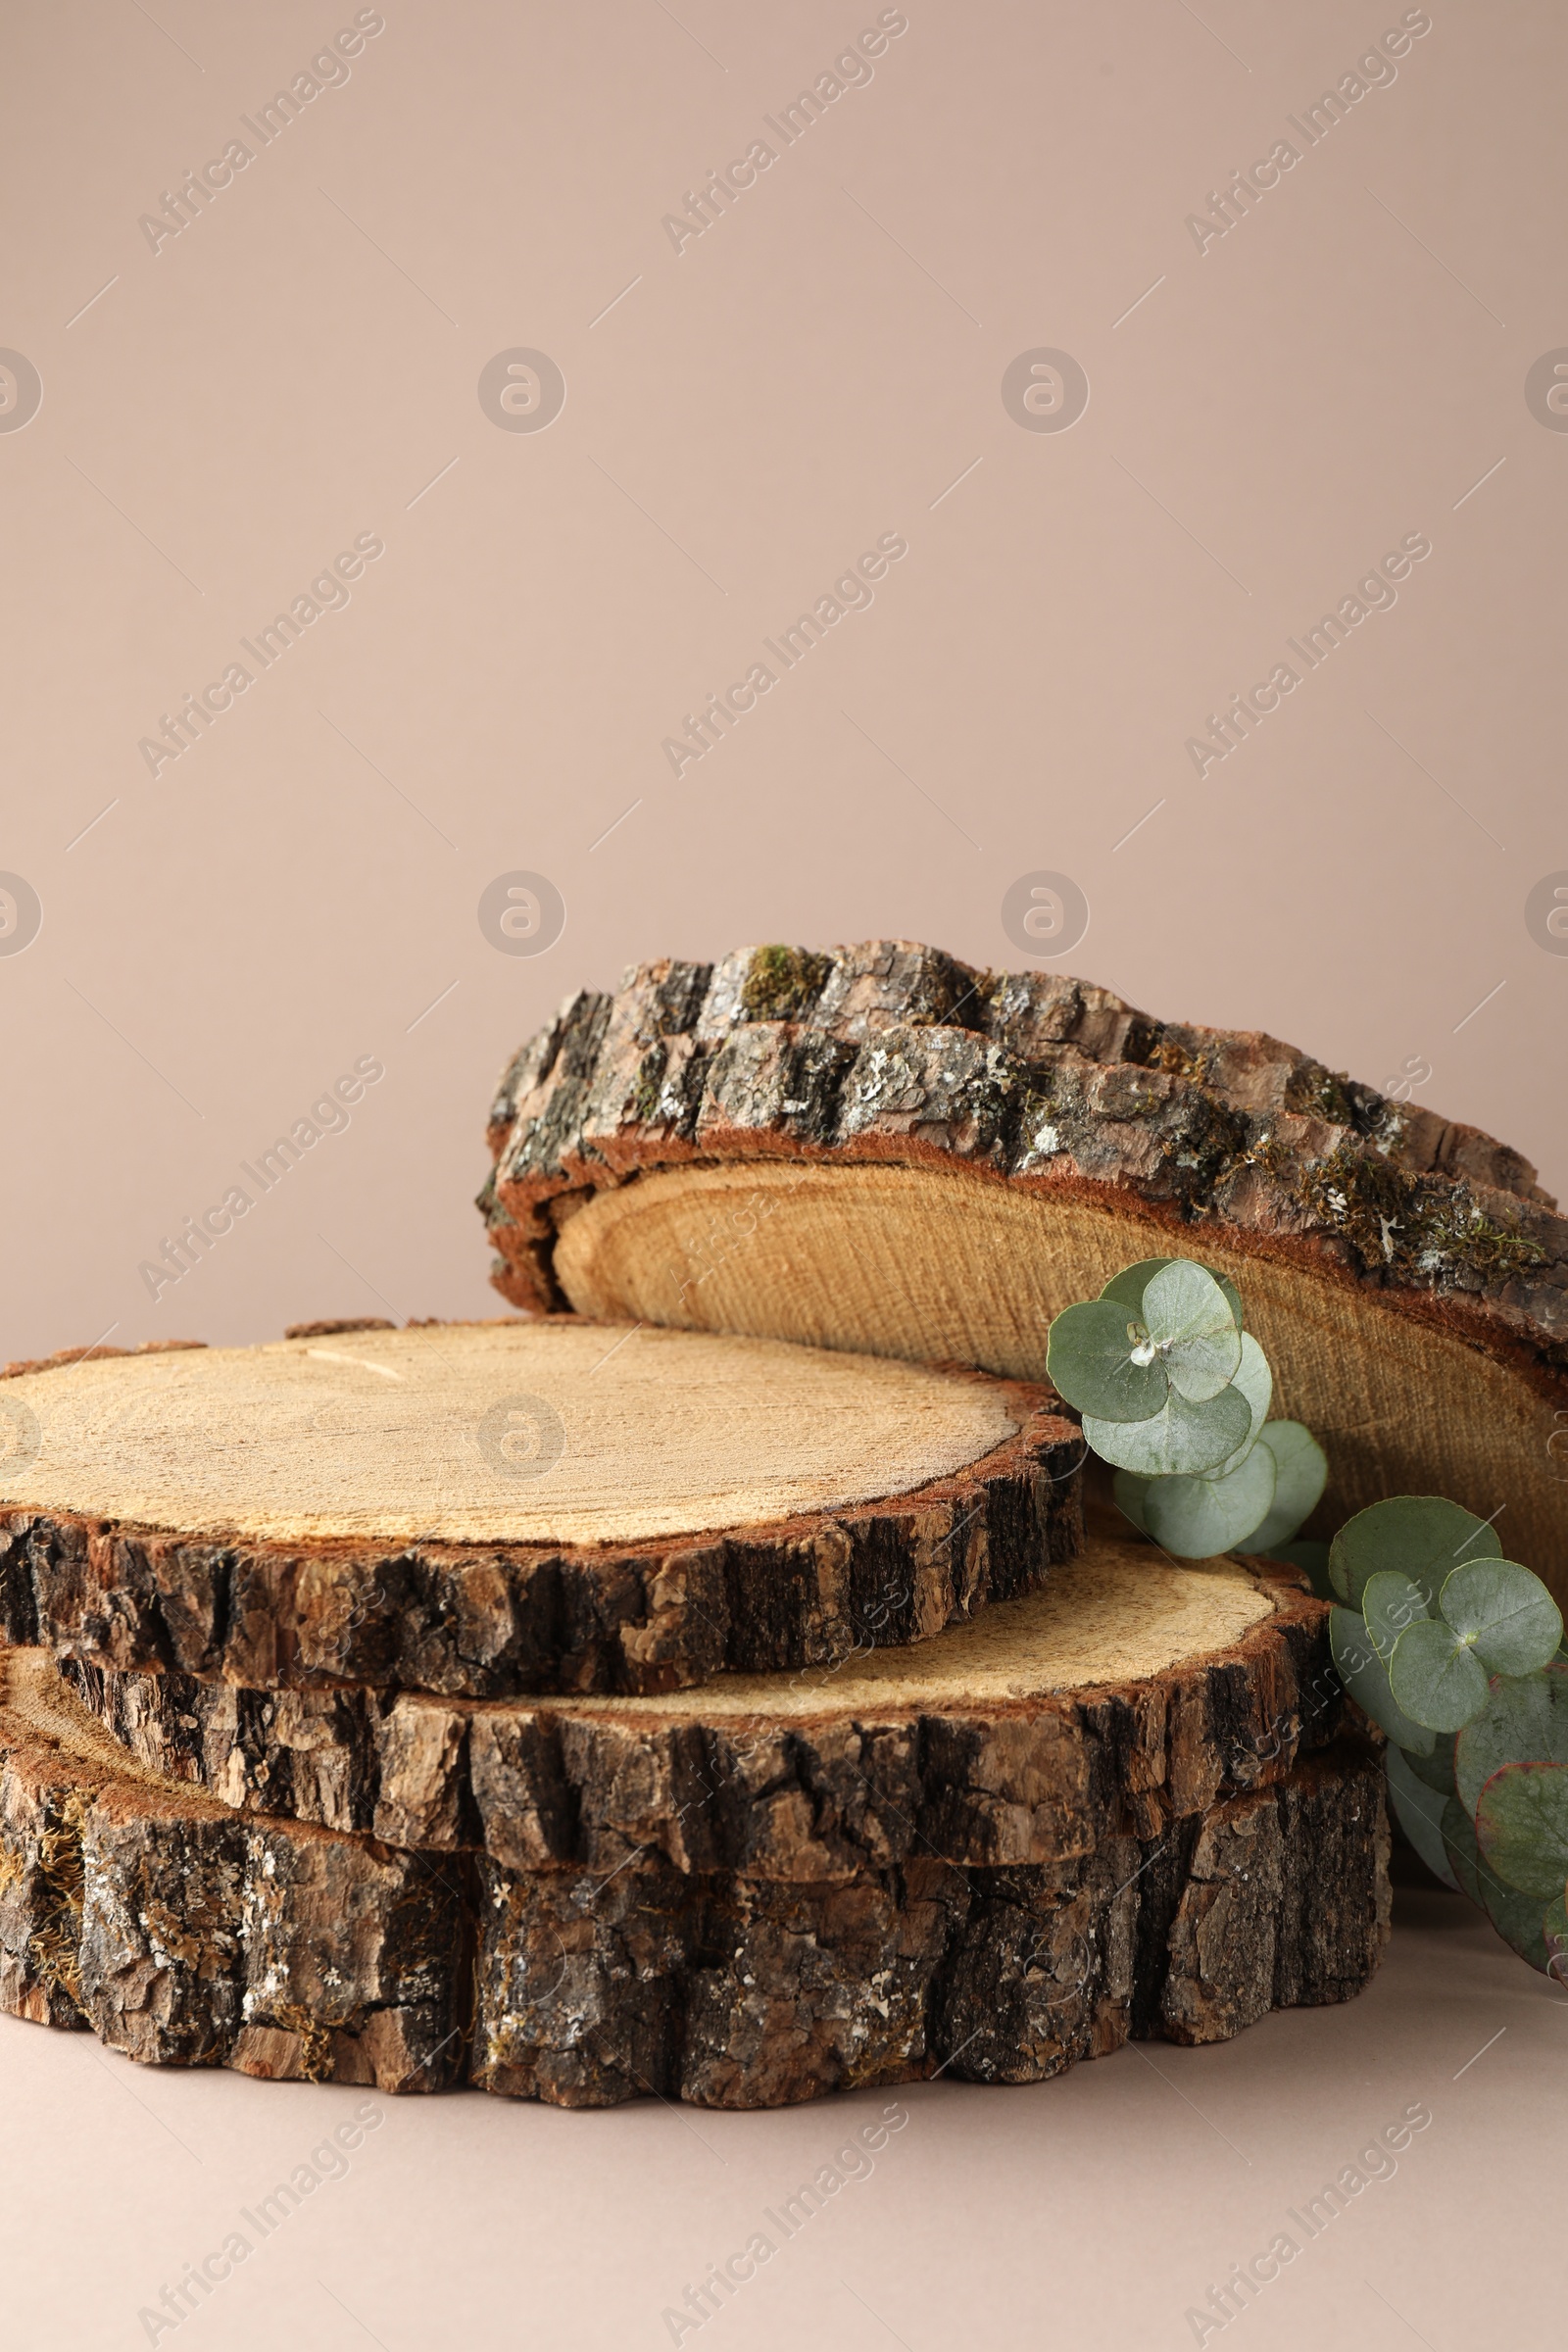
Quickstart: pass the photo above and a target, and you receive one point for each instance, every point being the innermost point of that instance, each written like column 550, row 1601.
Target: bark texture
column 188, row 1934
column 785, row 1794
column 496, row 1621
column 742, row 1993
column 894, row 1051
column 184, row 1935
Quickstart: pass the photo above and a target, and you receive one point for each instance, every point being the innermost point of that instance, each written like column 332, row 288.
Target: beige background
column 813, row 372
column 824, row 366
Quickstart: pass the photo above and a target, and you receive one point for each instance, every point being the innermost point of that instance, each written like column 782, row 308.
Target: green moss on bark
column 783, row 983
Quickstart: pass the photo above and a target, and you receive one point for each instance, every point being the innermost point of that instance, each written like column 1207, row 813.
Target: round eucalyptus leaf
column 1128, row 1287
column 1418, row 1811
column 1506, row 1614
column 1366, row 1678
column 1182, row 1441
column 1255, row 1382
column 1197, row 1518
column 1090, row 1362
column 1459, row 1844
column 1391, row 1601
column 1516, row 1917
column 1232, row 1293
column 1435, row 1676
column 1311, row 1558
column 1554, row 1928
column 1130, row 1493
column 1437, row 1770
column 1525, row 1721
column 1522, row 1826
column 1301, row 1473
column 1189, row 1321
column 1425, row 1535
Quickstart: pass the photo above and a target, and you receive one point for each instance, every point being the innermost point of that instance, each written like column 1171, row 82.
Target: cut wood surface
column 1130, row 1693
column 388, row 1433
column 185, row 1933
column 877, row 1147
column 488, row 1509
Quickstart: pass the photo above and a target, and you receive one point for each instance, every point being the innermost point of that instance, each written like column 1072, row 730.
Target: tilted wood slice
column 879, row 1148
column 1001, row 1883
column 1131, row 1694
column 487, row 1509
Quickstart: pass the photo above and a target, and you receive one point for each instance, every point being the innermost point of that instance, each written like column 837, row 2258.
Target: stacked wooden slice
column 717, row 1683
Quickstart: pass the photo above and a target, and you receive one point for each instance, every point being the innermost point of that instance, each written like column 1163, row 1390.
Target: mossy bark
column 895, row 1052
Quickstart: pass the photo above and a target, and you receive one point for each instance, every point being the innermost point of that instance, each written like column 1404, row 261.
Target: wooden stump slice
column 1130, row 1693
column 880, row 1149
column 752, row 1993
column 495, row 1508
column 186, row 1934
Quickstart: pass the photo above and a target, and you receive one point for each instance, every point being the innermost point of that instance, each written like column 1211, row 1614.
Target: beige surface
column 396, row 1434
column 1093, row 2210
column 1344, row 366
column 951, row 1266
column 1123, row 1610
column 300, row 887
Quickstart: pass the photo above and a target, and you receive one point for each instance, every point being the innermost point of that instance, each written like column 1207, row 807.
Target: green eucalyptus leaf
column 1424, row 1534
column 1090, row 1362
column 1182, row 1441
column 1255, row 1382
column 1435, row 1676
column 1437, row 1770
column 1128, row 1287
column 1554, row 1928
column 1130, row 1491
column 1312, row 1558
column 1196, row 1518
column 1189, row 1322
column 1389, row 1602
column 1301, row 1473
column 1459, row 1844
column 1525, row 1721
column 1522, row 1826
column 1506, row 1614
column 1516, row 1917
column 1419, row 1812
column 1366, row 1678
